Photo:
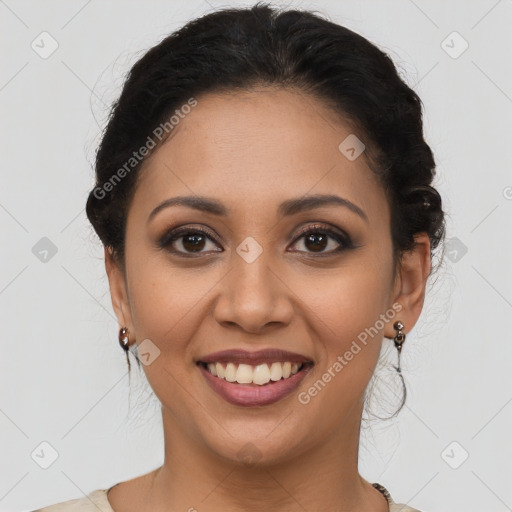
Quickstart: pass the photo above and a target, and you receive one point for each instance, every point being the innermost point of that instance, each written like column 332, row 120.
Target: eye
column 186, row 241
column 316, row 239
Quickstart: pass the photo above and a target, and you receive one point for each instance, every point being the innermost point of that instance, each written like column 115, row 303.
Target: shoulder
column 400, row 507
column 94, row 501
column 394, row 507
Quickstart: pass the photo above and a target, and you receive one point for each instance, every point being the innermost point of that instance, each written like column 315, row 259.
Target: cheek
column 347, row 310
column 165, row 300
column 352, row 297
column 350, row 328
column 166, row 304
column 166, row 309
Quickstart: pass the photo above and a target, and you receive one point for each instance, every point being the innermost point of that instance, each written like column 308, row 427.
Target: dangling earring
column 124, row 341
column 399, row 340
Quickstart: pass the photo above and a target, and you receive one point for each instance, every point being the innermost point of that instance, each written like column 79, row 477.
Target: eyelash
column 171, row 236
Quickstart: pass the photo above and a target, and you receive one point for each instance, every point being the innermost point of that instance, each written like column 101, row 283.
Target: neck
column 322, row 476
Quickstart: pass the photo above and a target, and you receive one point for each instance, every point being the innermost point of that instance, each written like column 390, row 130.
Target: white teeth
column 276, row 371
column 244, row 374
column 260, row 374
column 220, row 370
column 230, row 374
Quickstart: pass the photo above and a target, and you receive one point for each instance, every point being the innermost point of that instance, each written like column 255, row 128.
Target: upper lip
column 269, row 355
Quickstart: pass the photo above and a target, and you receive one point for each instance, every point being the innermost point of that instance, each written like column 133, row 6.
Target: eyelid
column 174, row 234
column 318, row 226
column 339, row 235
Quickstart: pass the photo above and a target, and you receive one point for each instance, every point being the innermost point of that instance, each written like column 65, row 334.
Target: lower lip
column 250, row 395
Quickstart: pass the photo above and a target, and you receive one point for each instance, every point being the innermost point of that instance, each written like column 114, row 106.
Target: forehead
column 254, row 149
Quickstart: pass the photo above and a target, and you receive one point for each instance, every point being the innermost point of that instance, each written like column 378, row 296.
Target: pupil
column 319, row 242
column 192, row 242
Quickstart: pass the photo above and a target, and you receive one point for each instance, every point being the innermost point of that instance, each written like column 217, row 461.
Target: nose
column 253, row 297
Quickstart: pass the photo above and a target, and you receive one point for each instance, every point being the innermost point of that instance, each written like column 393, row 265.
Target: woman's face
column 253, row 282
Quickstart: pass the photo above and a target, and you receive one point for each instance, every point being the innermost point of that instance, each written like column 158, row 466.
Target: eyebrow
column 286, row 208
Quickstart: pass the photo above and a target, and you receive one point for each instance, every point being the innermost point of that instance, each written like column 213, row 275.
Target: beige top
column 97, row 501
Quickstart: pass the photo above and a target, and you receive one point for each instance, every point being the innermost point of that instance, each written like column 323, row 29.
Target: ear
column 118, row 290
column 410, row 284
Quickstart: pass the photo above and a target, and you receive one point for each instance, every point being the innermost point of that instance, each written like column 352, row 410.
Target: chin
column 257, row 450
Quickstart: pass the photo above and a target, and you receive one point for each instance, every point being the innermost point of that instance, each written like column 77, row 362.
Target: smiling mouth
column 255, row 375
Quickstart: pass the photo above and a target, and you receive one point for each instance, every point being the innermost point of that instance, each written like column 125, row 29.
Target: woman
column 264, row 196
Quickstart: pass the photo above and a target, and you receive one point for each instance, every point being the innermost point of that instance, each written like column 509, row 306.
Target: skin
column 251, row 151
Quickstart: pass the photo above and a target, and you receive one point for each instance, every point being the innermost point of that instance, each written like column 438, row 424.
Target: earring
column 399, row 340
column 124, row 341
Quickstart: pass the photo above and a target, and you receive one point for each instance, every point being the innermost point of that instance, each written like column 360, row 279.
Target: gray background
column 63, row 376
